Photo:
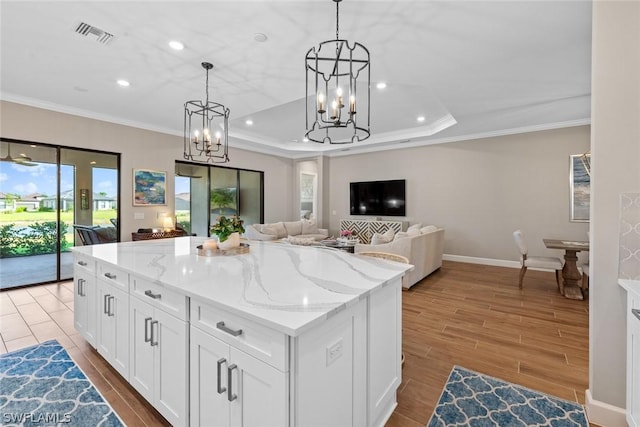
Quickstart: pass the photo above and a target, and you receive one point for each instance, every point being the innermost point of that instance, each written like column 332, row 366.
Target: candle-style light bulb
column 205, row 135
column 320, row 103
column 339, row 95
column 218, row 138
column 352, row 104
column 334, row 110
column 196, row 134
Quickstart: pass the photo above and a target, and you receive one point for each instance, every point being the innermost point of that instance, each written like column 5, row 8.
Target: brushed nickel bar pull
column 147, row 336
column 80, row 291
column 152, row 295
column 153, row 343
column 230, row 396
column 111, row 313
column 109, row 275
column 82, row 263
column 636, row 312
column 106, row 298
column 222, row 327
column 220, row 388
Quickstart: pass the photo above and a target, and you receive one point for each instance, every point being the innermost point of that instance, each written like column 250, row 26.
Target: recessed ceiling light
column 421, row 118
column 174, row 44
column 249, row 122
column 260, row 37
column 93, row 162
column 123, row 83
column 381, row 85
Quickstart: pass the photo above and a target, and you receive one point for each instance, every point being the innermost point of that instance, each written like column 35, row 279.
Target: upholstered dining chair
column 526, row 261
column 390, row 257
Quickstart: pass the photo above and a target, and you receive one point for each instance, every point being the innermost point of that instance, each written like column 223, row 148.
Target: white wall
column 616, row 169
column 480, row 191
column 140, row 149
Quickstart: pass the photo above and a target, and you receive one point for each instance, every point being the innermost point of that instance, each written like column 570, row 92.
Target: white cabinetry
column 633, row 359
column 159, row 345
column 230, row 387
column 113, row 327
column 84, row 302
column 113, row 317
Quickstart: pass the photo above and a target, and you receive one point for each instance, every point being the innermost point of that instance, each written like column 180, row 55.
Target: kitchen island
column 281, row 336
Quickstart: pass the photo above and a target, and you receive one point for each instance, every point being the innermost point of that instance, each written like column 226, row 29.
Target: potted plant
column 228, row 231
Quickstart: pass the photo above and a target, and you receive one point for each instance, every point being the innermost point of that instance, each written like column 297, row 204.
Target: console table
column 364, row 229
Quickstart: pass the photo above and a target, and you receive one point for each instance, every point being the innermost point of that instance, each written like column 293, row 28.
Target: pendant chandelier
column 206, row 128
column 338, row 110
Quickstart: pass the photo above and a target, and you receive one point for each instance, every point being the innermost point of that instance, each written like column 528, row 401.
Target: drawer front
column 84, row 263
column 161, row 297
column 261, row 342
column 114, row 276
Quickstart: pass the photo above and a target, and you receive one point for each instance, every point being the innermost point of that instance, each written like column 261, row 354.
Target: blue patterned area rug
column 473, row 399
column 42, row 386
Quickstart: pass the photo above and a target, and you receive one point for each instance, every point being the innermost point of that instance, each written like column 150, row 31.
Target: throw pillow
column 428, row 229
column 302, row 241
column 258, row 227
column 400, row 235
column 386, row 237
column 281, row 231
column 293, row 228
column 415, row 227
column 269, row 229
column 389, row 234
column 309, row 227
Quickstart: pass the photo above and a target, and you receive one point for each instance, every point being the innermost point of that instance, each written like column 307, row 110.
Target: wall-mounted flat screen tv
column 385, row 198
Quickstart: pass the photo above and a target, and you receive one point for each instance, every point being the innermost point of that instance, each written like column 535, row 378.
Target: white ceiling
column 474, row 68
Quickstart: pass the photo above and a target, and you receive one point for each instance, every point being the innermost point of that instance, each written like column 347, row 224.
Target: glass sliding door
column 251, row 197
column 29, row 219
column 44, row 191
column 204, row 193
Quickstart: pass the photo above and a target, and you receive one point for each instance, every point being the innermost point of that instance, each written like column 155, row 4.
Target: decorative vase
column 233, row 241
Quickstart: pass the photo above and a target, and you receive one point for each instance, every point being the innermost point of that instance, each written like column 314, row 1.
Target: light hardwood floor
column 469, row 315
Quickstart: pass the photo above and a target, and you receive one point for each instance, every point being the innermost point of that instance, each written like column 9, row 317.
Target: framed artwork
column 580, row 187
column 149, row 187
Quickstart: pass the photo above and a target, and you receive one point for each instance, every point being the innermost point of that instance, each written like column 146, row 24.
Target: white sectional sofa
column 280, row 230
column 422, row 246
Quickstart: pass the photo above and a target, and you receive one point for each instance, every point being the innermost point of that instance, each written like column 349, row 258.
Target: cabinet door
column 84, row 290
column 261, row 390
column 208, row 356
column 141, row 357
column 120, row 310
column 169, row 340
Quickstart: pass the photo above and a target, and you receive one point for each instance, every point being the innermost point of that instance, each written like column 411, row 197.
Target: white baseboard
column 487, row 261
column 603, row 414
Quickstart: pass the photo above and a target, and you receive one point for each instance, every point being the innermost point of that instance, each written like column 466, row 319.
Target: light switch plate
column 138, row 215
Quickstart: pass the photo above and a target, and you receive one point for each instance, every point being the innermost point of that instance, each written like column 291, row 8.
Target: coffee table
column 338, row 245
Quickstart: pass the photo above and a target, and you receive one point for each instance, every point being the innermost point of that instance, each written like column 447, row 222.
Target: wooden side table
column 158, row 235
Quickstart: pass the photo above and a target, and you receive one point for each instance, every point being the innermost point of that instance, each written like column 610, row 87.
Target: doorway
column 45, row 190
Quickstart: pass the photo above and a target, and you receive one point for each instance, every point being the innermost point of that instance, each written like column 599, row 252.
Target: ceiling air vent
column 101, row 35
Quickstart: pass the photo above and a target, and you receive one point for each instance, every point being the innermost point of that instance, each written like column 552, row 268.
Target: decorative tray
column 242, row 249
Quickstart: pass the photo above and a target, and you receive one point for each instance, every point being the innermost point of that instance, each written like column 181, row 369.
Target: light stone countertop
column 288, row 288
column 630, row 285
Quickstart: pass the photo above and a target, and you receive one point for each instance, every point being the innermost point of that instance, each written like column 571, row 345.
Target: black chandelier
column 206, row 129
column 333, row 70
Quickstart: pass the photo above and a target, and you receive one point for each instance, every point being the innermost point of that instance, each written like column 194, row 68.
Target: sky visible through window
column 25, row 180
